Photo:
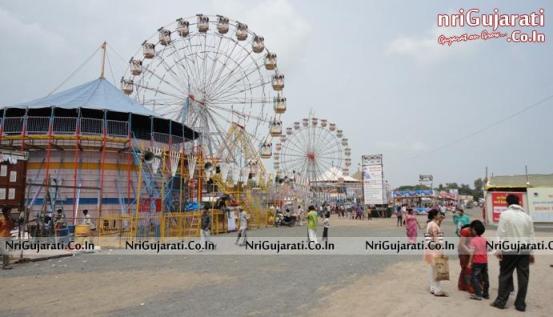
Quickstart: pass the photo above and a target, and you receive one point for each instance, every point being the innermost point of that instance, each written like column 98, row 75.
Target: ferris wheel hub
column 195, row 100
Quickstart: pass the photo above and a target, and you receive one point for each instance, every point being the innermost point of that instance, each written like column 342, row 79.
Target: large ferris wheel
column 312, row 150
column 213, row 74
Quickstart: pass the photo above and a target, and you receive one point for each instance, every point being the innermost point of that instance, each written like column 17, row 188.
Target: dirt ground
column 331, row 285
column 98, row 293
column 402, row 289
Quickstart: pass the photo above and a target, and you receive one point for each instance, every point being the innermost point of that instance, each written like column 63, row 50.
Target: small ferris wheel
column 312, row 150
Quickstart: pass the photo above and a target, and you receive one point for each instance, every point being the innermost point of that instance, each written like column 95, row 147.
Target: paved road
column 241, row 285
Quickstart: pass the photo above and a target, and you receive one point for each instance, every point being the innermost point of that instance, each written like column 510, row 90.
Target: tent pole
column 103, row 47
column 76, row 165
column 129, row 165
column 102, row 162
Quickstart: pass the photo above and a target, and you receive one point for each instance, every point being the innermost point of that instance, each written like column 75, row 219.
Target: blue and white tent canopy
column 96, row 99
column 98, row 94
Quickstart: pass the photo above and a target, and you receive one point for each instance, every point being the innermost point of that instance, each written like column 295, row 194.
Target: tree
column 451, row 186
column 465, row 190
column 412, row 187
column 478, row 188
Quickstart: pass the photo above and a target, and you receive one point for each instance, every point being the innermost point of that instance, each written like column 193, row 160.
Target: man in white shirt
column 244, row 217
column 400, row 215
column 88, row 220
column 301, row 215
column 515, row 227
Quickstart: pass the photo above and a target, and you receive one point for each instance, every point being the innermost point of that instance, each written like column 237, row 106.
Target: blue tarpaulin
column 98, row 94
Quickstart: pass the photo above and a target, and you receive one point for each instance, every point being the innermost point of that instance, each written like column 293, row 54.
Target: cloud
column 412, row 146
column 19, row 34
column 426, row 48
column 284, row 28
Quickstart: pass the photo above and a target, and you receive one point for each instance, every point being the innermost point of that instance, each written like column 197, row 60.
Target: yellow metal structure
column 238, row 149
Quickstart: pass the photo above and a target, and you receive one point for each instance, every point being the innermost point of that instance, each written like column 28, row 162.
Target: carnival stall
column 420, row 199
column 535, row 192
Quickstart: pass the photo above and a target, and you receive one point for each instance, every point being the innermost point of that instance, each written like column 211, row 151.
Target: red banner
column 146, row 204
column 499, row 203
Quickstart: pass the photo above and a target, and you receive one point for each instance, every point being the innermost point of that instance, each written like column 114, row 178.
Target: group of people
column 356, row 212
column 205, row 226
column 47, row 226
column 515, row 226
column 294, row 217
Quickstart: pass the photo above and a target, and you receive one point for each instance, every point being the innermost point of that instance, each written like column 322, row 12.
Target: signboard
column 540, row 204
column 148, row 205
column 413, row 193
column 499, row 203
column 373, row 179
column 425, row 178
column 12, row 179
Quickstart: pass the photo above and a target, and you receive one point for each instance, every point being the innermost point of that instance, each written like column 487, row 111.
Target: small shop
column 535, row 194
column 420, row 199
column 448, row 199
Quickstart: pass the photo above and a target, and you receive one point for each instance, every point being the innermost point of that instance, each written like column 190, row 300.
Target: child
column 326, row 225
column 478, row 261
column 242, row 232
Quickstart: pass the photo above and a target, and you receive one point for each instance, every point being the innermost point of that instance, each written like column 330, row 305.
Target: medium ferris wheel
column 212, row 74
column 312, row 150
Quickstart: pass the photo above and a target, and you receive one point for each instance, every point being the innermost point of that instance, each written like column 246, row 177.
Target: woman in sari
column 434, row 235
column 411, row 225
column 464, row 283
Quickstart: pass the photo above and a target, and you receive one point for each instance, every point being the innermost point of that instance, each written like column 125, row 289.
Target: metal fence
column 161, row 137
column 64, row 125
column 12, row 125
column 37, row 125
column 92, row 126
column 117, row 128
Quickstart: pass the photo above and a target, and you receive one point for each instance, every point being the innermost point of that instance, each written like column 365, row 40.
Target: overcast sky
column 373, row 67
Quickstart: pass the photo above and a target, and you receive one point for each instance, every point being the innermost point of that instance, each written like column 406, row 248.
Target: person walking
column 312, row 219
column 326, row 226
column 460, row 220
column 515, row 227
column 6, row 225
column 434, row 235
column 399, row 213
column 242, row 232
column 411, row 225
column 358, row 214
column 464, row 283
column 88, row 220
column 59, row 220
column 478, row 262
column 301, row 215
column 205, row 225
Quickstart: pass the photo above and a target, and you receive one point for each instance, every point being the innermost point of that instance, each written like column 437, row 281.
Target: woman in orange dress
column 464, row 283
